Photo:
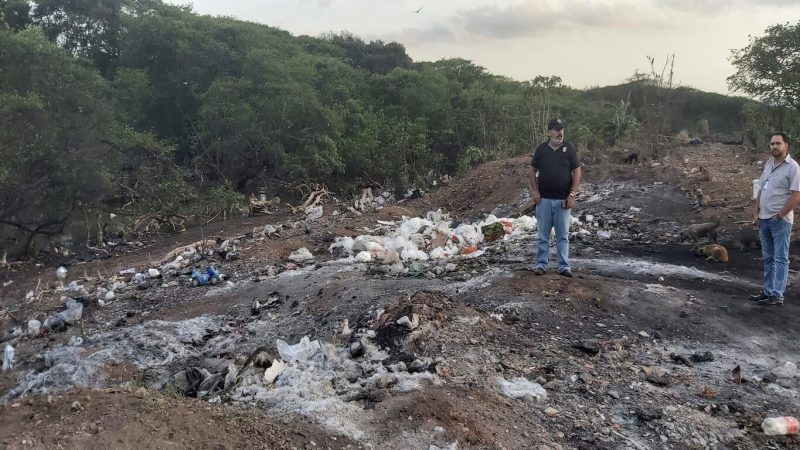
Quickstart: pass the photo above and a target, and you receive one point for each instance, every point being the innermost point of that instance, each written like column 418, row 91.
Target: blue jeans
column 775, row 235
column 552, row 214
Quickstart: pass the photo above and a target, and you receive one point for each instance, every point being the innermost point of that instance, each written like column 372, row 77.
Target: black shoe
column 771, row 301
column 538, row 271
column 566, row 273
column 758, row 297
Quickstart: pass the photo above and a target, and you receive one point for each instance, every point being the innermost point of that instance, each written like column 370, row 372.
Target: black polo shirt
column 555, row 169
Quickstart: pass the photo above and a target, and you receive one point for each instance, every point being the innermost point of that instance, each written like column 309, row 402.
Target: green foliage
column 622, row 122
column 53, row 158
column 769, row 67
column 138, row 106
column 15, row 14
column 762, row 120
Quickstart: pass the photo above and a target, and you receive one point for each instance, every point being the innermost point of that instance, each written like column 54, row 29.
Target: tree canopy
column 138, row 107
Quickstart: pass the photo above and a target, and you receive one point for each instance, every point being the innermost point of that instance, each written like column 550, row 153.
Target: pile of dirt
column 113, row 418
column 480, row 190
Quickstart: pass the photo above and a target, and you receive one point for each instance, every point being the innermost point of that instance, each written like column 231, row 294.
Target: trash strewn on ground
column 424, row 331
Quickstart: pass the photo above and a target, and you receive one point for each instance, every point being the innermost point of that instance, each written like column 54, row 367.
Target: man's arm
column 576, row 180
column 758, row 207
column 794, row 198
column 534, row 185
column 790, row 205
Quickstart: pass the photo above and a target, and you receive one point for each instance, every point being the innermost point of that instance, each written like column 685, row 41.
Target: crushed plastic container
column 780, row 426
column 34, row 326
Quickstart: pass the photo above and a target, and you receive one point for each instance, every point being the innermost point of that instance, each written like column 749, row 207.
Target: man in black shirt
column 554, row 177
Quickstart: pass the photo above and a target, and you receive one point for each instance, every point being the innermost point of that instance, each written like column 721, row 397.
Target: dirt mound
column 123, row 419
column 480, row 190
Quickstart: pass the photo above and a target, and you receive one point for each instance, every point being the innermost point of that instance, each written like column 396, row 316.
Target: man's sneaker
column 565, row 273
column 538, row 271
column 758, row 297
column 771, row 301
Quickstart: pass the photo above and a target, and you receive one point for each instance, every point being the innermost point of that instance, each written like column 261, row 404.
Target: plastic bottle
column 8, row 358
column 780, row 426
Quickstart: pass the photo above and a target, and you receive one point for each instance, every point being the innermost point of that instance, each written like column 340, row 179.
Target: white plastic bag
column 302, row 351
column 314, row 213
column 69, row 316
column 364, row 257
column 301, row 255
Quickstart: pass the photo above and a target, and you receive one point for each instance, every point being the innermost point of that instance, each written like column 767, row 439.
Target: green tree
column 53, row 155
column 87, row 28
column 15, row 14
column 768, row 68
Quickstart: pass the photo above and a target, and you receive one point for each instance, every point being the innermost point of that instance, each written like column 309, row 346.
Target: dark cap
column 556, row 124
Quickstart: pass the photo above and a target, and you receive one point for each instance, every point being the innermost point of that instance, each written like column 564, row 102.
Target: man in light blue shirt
column 778, row 195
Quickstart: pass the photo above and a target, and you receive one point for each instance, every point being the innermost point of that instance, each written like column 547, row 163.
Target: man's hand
column 570, row 201
column 536, row 198
column 755, row 221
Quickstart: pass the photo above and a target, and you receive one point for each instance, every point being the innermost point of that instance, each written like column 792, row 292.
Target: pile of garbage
column 433, row 238
column 368, row 202
column 326, row 382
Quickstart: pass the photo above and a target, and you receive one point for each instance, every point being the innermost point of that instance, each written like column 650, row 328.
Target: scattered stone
column 646, row 414
column 409, row 323
column 385, row 381
column 420, row 365
column 590, row 346
column 681, row 359
column 553, row 385
column 614, row 394
column 356, row 349
column 140, row 278
column 153, row 273
column 398, row 367
column 786, row 370
column 702, row 357
column 736, row 407
column 732, row 434
column 658, row 380
column 551, row 412
column 76, row 406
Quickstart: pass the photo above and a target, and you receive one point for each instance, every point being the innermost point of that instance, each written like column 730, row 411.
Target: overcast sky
column 585, row 42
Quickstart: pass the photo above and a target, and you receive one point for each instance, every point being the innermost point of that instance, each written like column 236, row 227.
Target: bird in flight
column 417, row 11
